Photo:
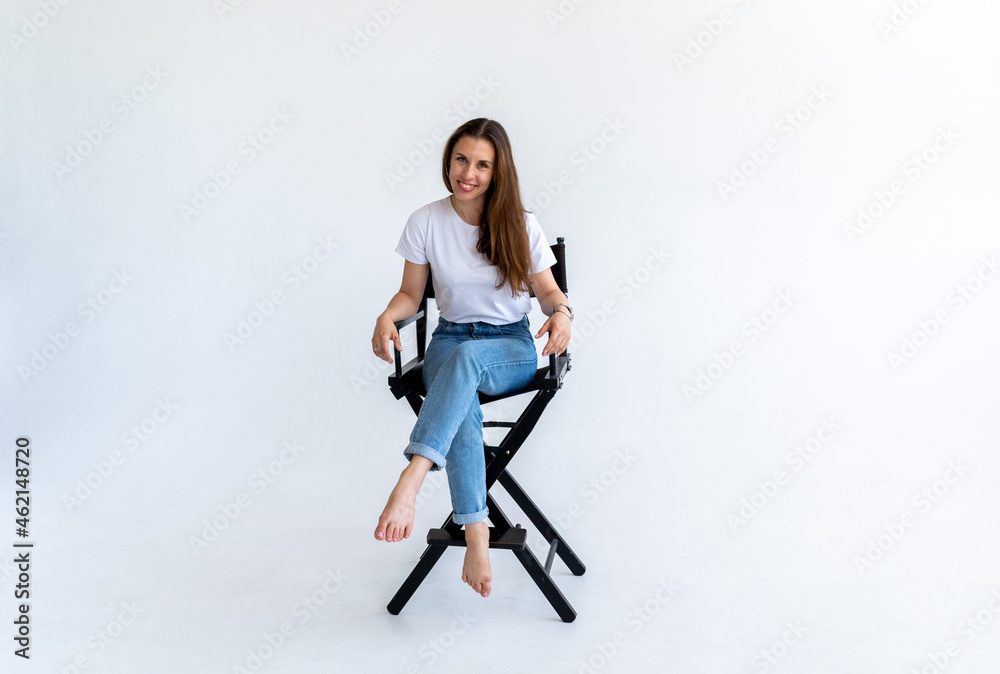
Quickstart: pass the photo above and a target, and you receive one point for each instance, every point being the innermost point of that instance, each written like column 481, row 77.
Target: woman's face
column 471, row 169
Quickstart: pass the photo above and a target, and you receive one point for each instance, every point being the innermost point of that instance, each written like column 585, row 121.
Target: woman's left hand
column 558, row 327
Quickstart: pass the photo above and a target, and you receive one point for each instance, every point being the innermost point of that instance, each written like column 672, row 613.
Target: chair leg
column 427, row 561
column 501, row 523
column 537, row 572
column 545, row 584
column 543, row 525
column 497, row 459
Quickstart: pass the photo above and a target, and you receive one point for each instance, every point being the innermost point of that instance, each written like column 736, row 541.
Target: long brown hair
column 503, row 239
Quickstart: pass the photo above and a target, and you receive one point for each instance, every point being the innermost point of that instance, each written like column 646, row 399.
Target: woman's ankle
column 477, row 530
column 418, row 465
column 415, row 471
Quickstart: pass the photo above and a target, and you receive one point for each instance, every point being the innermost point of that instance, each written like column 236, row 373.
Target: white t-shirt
column 464, row 280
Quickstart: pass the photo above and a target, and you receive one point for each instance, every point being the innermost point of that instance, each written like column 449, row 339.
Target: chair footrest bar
column 552, row 555
column 514, row 538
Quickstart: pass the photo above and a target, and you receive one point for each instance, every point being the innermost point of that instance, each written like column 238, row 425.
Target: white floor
column 296, row 579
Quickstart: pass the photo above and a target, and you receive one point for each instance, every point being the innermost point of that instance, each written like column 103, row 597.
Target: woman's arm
column 547, row 291
column 411, row 291
column 402, row 305
column 548, row 294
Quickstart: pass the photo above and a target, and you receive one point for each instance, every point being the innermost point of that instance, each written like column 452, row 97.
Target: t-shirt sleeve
column 541, row 252
column 412, row 242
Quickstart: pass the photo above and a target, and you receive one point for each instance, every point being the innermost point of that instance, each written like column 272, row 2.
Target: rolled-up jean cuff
column 426, row 452
column 470, row 518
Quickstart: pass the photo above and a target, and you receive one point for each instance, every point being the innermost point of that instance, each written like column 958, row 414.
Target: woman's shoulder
column 530, row 221
column 434, row 209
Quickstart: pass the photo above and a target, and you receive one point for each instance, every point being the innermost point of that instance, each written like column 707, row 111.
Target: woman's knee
column 466, row 356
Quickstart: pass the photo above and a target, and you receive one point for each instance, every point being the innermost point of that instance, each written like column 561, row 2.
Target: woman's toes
column 396, row 521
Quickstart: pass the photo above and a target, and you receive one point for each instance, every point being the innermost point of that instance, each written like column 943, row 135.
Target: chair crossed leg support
column 503, row 535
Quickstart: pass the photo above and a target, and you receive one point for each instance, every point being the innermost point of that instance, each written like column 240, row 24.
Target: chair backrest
column 558, row 271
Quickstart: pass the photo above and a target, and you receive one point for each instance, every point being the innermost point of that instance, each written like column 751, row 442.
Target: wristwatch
column 568, row 308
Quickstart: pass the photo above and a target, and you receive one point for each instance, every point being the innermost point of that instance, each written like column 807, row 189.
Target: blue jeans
column 461, row 359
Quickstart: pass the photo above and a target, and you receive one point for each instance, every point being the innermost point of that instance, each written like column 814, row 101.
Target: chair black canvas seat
column 412, row 380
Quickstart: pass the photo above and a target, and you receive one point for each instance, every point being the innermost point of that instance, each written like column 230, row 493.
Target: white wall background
column 559, row 73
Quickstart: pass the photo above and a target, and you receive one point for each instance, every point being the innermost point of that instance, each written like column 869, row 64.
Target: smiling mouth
column 466, row 187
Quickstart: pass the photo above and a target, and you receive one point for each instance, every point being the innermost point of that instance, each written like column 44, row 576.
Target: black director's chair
column 408, row 382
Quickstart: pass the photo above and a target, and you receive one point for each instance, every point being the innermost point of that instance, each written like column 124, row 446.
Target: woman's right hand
column 384, row 337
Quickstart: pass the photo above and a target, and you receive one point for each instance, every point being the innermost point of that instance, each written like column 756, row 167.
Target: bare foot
column 476, row 570
column 396, row 521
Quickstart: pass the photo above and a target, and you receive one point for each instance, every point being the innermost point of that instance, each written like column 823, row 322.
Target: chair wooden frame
column 407, row 381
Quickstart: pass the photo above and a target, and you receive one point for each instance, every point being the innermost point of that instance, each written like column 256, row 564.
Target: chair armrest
column 403, row 323
column 396, row 352
column 558, row 367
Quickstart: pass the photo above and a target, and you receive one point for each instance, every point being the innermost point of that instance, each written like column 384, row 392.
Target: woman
column 486, row 251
